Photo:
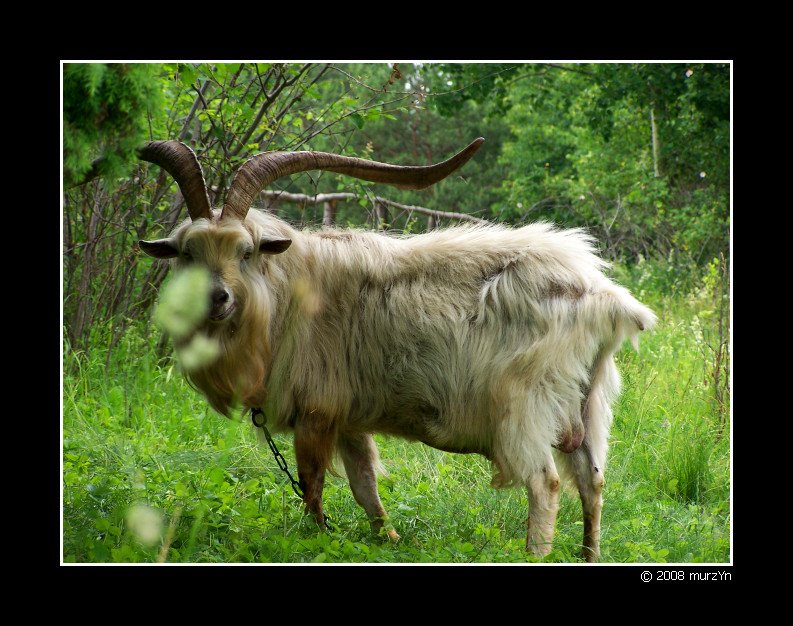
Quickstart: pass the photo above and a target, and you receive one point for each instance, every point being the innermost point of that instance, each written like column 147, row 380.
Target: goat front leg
column 314, row 444
column 359, row 454
column 543, row 491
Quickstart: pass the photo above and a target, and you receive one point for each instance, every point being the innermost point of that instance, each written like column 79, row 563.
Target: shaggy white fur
column 482, row 339
column 475, row 338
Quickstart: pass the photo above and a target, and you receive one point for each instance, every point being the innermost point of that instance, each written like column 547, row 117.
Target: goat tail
column 621, row 317
column 629, row 315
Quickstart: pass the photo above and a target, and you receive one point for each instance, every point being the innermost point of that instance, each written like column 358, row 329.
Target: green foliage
column 410, row 132
column 138, row 439
column 105, row 110
column 457, row 83
column 581, row 150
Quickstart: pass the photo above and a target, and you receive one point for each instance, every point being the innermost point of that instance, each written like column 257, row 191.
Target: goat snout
column 221, row 304
column 220, row 296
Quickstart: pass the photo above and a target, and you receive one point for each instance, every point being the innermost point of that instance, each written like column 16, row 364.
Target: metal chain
column 279, row 458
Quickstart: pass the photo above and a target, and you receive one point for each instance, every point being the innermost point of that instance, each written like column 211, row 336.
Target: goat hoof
column 387, row 534
column 540, row 550
column 589, row 556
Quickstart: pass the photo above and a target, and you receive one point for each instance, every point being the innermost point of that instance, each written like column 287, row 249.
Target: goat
column 474, row 339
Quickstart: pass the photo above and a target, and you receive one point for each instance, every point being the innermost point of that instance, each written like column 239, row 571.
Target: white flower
column 201, row 350
column 184, row 302
column 146, row 523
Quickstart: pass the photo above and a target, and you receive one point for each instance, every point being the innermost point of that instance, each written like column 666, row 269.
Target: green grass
column 135, row 435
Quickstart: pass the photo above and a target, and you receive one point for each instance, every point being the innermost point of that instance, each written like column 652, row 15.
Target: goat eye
column 247, row 255
column 187, row 256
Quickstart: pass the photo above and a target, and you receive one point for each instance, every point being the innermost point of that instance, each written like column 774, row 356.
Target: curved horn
column 262, row 169
column 180, row 162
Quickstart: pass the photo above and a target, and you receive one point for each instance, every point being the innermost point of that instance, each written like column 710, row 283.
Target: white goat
column 484, row 339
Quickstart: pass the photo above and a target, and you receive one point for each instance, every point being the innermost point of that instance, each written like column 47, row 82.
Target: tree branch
column 212, row 123
column 568, row 69
column 198, row 101
column 300, row 198
column 268, row 100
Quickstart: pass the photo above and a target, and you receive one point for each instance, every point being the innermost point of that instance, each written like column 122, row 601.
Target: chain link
column 279, row 458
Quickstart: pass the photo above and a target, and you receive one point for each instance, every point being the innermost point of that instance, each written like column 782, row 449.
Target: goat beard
column 234, row 378
column 237, row 375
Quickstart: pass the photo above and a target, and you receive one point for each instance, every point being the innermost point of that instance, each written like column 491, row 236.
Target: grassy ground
column 149, row 472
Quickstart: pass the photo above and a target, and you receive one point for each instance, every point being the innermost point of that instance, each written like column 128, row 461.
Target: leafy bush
column 105, row 113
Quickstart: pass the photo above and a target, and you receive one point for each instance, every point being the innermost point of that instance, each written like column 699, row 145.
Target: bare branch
column 464, row 87
column 268, row 100
column 212, row 122
column 321, row 198
column 198, row 101
column 262, row 84
column 365, row 86
column 365, row 107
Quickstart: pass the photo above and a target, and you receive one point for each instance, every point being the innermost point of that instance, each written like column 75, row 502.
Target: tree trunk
column 329, row 214
column 68, row 242
column 656, row 146
column 381, row 215
column 82, row 314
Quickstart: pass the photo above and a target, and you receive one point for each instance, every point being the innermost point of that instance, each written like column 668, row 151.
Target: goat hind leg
column 359, row 455
column 543, row 491
column 589, row 480
column 585, row 466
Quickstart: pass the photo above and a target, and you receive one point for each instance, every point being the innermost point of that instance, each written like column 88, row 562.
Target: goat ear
column 160, row 248
column 274, row 246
